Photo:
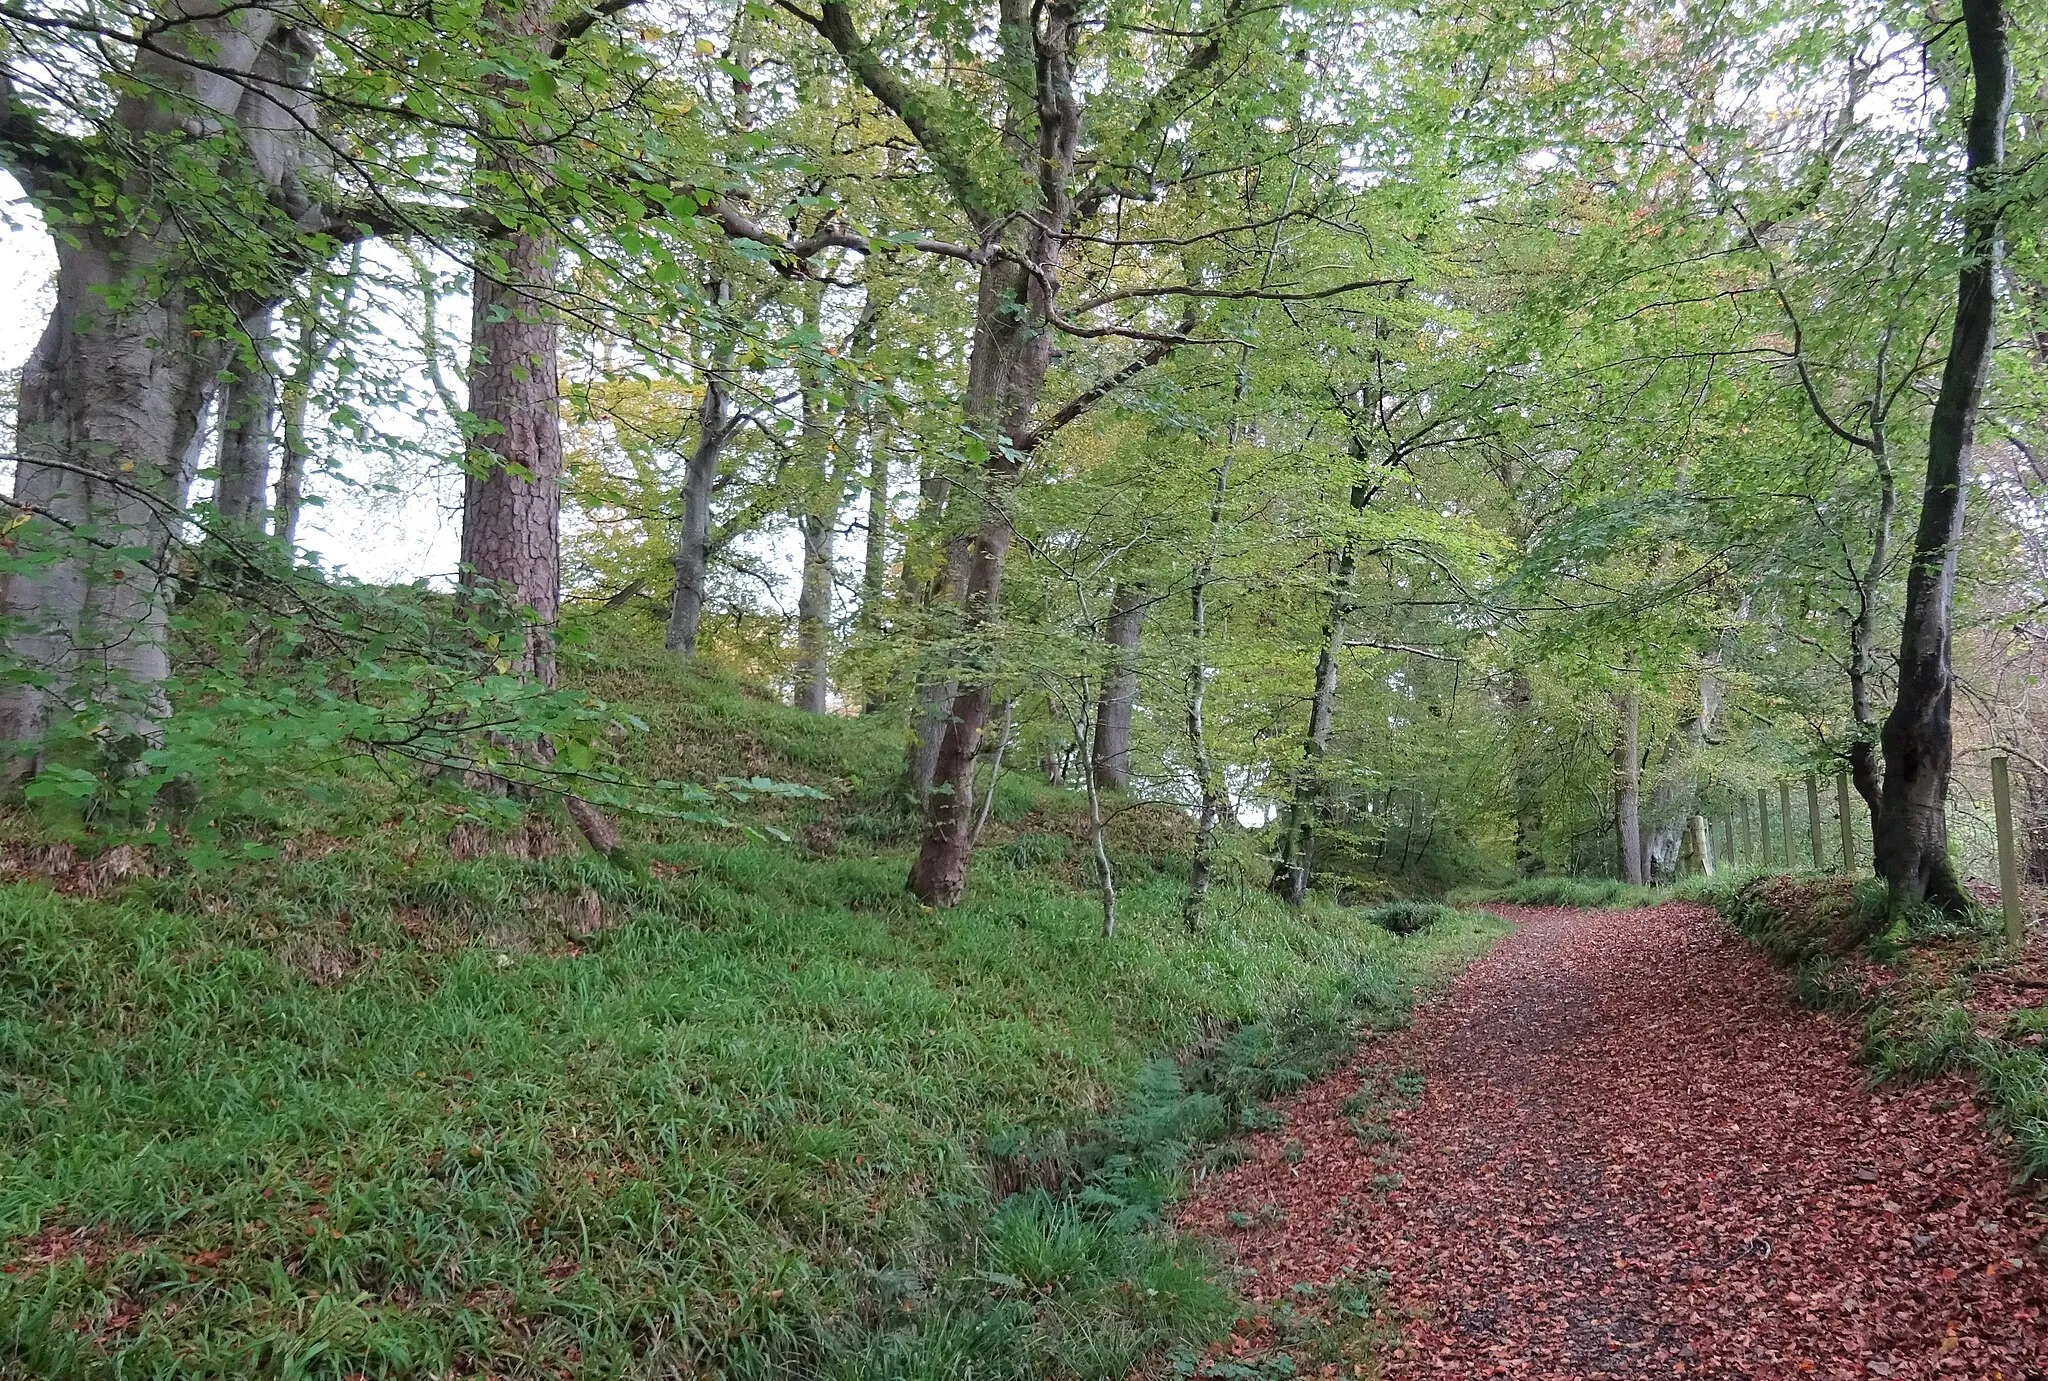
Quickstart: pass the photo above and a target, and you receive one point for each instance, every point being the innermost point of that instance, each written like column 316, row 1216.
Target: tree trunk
column 823, row 488
column 1292, row 867
column 512, row 497
column 247, row 425
column 1911, row 834
column 108, row 427
column 512, row 494
column 113, row 399
column 1674, row 798
column 1112, row 746
column 874, row 574
column 1528, row 780
column 1628, row 785
column 939, row 875
column 814, row 616
column 316, row 340
column 700, row 479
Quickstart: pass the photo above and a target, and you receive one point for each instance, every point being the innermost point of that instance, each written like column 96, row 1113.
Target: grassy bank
column 1588, row 893
column 741, row 1109
column 1935, row 995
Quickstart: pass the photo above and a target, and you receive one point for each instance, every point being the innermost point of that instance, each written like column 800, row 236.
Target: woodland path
column 1633, row 1155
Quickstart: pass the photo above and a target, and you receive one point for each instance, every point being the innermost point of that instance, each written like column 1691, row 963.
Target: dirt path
column 1633, row 1156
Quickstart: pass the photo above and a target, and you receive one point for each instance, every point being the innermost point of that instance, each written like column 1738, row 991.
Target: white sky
column 372, row 535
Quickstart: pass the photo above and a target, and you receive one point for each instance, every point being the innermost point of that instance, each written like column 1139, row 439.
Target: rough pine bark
column 512, row 496
column 1911, row 833
column 1112, row 744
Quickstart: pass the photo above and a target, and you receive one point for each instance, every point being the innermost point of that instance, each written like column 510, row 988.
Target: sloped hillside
column 738, row 1108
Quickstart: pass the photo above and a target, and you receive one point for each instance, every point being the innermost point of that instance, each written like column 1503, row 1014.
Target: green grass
column 1908, row 977
column 745, row 1110
column 1562, row 891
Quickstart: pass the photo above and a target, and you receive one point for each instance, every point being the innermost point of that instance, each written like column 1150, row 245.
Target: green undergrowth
column 739, row 1108
column 1561, row 891
column 1927, row 988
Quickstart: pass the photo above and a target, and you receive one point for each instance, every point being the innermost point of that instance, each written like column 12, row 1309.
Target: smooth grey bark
column 814, row 615
column 247, row 427
column 113, row 400
column 995, row 771
column 824, row 487
column 1911, row 829
column 874, row 576
column 1292, row 867
column 1671, row 802
column 700, row 482
column 1211, row 800
column 1527, row 777
column 1628, row 785
column 1111, row 749
column 938, row 598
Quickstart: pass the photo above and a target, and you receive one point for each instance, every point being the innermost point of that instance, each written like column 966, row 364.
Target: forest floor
column 1633, row 1155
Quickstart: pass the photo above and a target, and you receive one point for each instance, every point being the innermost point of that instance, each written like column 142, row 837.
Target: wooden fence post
column 1848, row 823
column 1813, row 818
column 2008, row 858
column 1785, row 824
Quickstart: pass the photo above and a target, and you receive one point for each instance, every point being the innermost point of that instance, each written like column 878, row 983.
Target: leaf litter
column 1634, row 1155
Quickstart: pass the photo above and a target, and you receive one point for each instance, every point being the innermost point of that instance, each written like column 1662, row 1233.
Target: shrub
column 1409, row 917
column 1795, row 920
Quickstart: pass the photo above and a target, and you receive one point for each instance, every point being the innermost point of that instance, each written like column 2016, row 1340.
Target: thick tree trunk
column 939, row 875
column 1628, row 785
column 1012, row 353
column 1911, row 834
column 108, row 427
column 1112, row 745
column 247, row 426
column 113, row 399
column 512, row 497
column 700, row 480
